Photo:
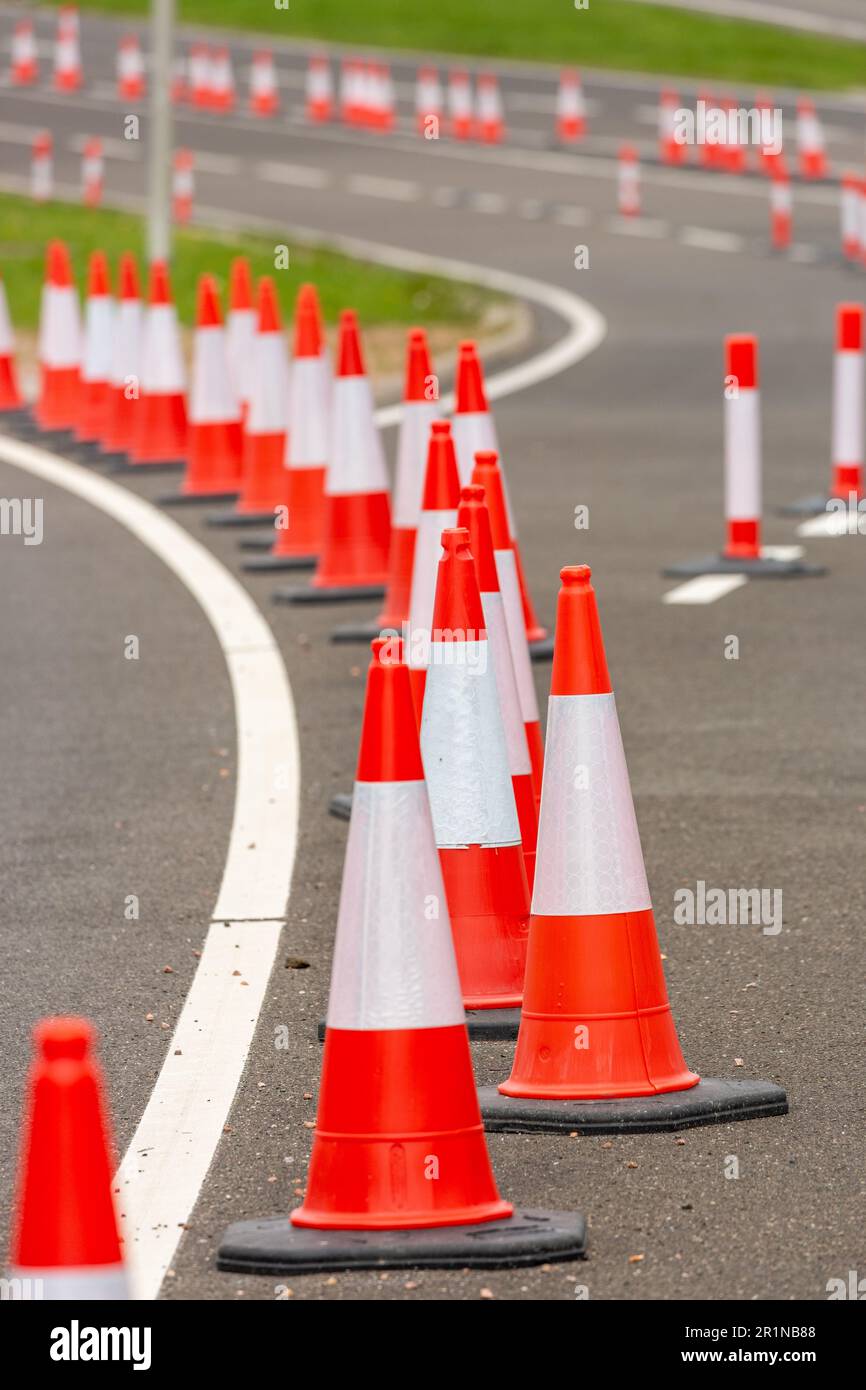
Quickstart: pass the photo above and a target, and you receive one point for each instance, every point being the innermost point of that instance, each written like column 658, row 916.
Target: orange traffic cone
column 320, row 90
column 96, row 353
column 25, row 61
column 182, row 186
column 10, row 396
column 215, row 444
column 439, row 502
column 65, row 1242
column 68, row 76
column 222, row 81
column 42, row 168
column 264, row 100
column 160, row 434
column 59, row 348
column 491, row 125
column 130, row 69
column 92, row 173
column 671, row 150
column 598, row 1050
column 123, row 388
column 241, row 328
column 200, row 75
column 473, row 514
column 353, row 563
column 471, row 794
column 811, row 148
column 265, row 484
column 428, row 103
column 570, row 109
column 461, row 122
column 474, row 430
column 399, row 1173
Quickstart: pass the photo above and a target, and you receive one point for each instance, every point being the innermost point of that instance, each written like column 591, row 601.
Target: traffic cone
column 124, row 380
column 182, row 186
column 399, row 1173
column 461, row 123
column 241, row 329
column 475, row 819
column 734, row 152
column 59, row 348
column 92, row 171
column 160, row 433
column 96, row 352
column 384, row 108
column 781, row 208
column 222, row 81
column 743, row 553
column 25, row 60
column 65, row 1241
column 10, row 396
column 846, row 481
column 811, row 150
column 320, row 90
column 570, row 109
column 439, row 502
column 474, row 516
column 264, row 98
column 215, row 445
column 353, row 563
column 428, row 103
column 68, row 76
column 42, row 168
column 671, row 150
column 711, row 150
column 180, row 91
column 200, row 75
column 598, row 1049
column 768, row 156
column 849, row 216
column 349, row 103
column 265, row 485
column 491, row 125
column 488, row 475
column 130, row 69
column 473, row 430
column 628, row 182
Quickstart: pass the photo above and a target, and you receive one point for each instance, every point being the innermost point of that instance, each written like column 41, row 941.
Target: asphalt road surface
column 119, row 776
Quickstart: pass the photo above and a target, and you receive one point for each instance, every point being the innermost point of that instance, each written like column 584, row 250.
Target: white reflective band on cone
column 7, row 337
column 589, row 857
column 463, row 748
column 412, row 443
column 861, row 218
column 212, row 398
column 473, row 432
column 89, row 1283
column 162, row 369
column 506, row 685
column 394, row 963
column 59, row 328
column 357, row 462
column 309, row 390
column 848, row 407
column 98, row 325
column 743, row 456
column 509, row 586
column 126, row 341
column 422, row 597
column 850, row 214
column 241, row 335
column 269, row 400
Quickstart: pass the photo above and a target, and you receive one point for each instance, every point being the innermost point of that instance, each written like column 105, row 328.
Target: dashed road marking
column 705, row 588
column 492, row 203
column 707, row 239
column 650, row 227
column 299, row 175
column 374, row 186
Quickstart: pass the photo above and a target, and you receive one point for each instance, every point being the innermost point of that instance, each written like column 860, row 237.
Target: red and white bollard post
column 182, row 186
column 92, row 173
column 628, row 182
column 781, row 208
column 42, row 168
column 849, row 216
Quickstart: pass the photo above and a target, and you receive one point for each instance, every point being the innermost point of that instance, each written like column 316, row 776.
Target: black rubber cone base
column 483, row 1025
column 121, row 464
column 340, row 805
column 194, row 499
column 272, row 564
column 542, row 650
column 806, row 506
column 276, row 1246
column 360, row 633
column 354, row 594
column 711, row 1102
column 240, row 519
column 755, row 569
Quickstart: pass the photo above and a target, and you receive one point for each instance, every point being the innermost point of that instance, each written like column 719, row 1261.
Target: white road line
column 206, row 163
column 531, row 209
column 491, row 203
column 706, row 239
column 300, row 175
column 782, row 552
column 445, row 196
column 804, row 253
column 372, row 186
column 827, row 526
column 171, row 1151
column 11, row 133
column 705, row 588
column 650, row 227
column 572, row 217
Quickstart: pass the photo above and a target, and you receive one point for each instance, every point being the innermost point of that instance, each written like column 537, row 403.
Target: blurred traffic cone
column 182, row 186
column 849, row 216
column 179, row 89
column 439, row 502
column 320, row 90
column 471, row 794
column 68, row 76
column 743, row 553
column 846, row 481
column 491, row 125
column 65, row 1239
column 460, row 106
column 92, row 171
column 598, row 1049
column 781, row 208
column 475, row 517
column 353, row 563
column 474, row 430
column 264, row 98
column 384, row 101
column 25, row 61
column 215, row 446
column 628, row 182
column 734, row 149
column 488, row 475
column 428, row 103
column 398, row 1146
column 130, row 69
column 811, row 150
column 200, row 75
column 10, row 397
column 671, row 150
column 349, row 106
column 160, row 433
column 222, row 81
column 768, row 155
column 265, row 484
column 570, row 108
column 124, row 388
column 42, row 168
column 241, row 329
column 59, row 347
column 96, row 352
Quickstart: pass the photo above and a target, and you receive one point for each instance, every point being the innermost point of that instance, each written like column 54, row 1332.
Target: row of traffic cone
column 730, row 156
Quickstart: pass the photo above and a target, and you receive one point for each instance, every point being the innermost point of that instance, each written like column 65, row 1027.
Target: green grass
column 380, row 295
column 610, row 33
